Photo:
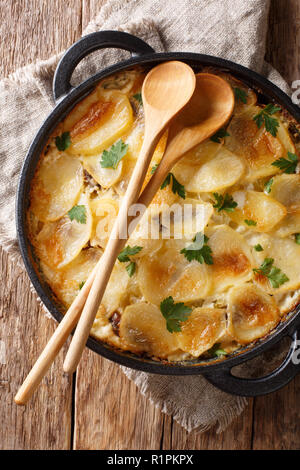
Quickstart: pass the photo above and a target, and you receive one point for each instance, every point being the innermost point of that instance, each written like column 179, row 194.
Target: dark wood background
column 99, row 408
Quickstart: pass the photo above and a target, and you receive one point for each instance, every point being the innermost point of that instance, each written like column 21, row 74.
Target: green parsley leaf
column 174, row 314
column 264, row 117
column 78, row 213
column 128, row 251
column 112, row 157
column 258, row 247
column 138, row 98
column 177, row 188
column 217, row 351
column 226, row 203
column 250, row 222
column 154, row 168
column 240, row 95
column 199, row 250
column 124, row 257
column 275, row 275
column 81, row 285
column 268, row 186
column 297, row 238
column 131, row 268
column 287, row 165
column 63, row 141
column 219, row 135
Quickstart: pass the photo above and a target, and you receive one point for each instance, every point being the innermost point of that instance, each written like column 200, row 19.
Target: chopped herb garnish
column 226, row 203
column 131, row 268
column 174, row 314
column 250, row 222
column 154, row 168
column 124, row 256
column 112, row 157
column 81, row 285
column 258, row 247
column 275, row 275
column 219, row 135
column 240, row 95
column 177, row 188
column 78, row 213
column 127, row 252
column 264, row 117
column 199, row 250
column 297, row 238
column 138, row 98
column 217, row 351
column 63, row 141
column 268, row 186
column 288, row 165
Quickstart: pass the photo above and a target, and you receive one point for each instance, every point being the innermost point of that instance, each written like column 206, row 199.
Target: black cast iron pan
column 216, row 371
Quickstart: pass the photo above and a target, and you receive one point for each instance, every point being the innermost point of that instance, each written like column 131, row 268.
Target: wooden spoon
column 167, row 88
column 208, row 110
column 68, row 323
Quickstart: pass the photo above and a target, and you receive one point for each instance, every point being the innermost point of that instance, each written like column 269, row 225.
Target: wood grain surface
column 100, row 408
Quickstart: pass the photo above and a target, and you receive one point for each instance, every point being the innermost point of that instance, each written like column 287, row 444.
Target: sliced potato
column 213, row 172
column 232, row 258
column 286, row 189
column 257, row 147
column 288, row 226
column 286, row 254
column 252, row 313
column 66, row 282
column 250, row 94
column 134, row 139
column 116, row 288
column 257, row 206
column 146, row 235
column 185, row 219
column 285, row 138
column 104, row 122
column 202, row 330
column 168, row 273
column 104, row 211
column 59, row 242
column 106, row 177
column 143, row 329
column 56, row 186
column 125, row 81
column 81, row 112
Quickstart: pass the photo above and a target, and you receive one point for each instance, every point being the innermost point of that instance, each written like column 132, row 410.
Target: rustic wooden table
column 99, row 408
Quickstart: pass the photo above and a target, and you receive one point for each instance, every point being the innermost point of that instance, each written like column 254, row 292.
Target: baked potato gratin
column 173, row 298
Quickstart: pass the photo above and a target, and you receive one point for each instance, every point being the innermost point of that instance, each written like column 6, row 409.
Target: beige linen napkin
column 232, row 29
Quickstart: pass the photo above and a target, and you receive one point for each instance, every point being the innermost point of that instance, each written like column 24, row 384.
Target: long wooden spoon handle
column 55, row 344
column 116, row 242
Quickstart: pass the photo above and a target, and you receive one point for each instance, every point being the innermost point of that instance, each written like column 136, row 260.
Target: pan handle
column 88, row 44
column 226, row 381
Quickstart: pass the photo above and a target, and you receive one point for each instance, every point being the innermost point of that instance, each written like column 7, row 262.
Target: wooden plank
column 36, row 29
column 277, row 419
column 30, row 30
column 45, row 423
column 283, row 41
column 110, row 413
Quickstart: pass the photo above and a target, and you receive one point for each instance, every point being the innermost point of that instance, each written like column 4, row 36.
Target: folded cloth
column 232, row 29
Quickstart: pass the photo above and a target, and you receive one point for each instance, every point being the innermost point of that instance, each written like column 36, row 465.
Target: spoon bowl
column 208, row 110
